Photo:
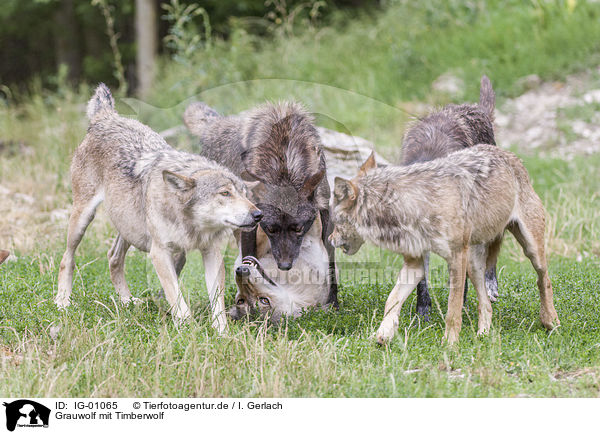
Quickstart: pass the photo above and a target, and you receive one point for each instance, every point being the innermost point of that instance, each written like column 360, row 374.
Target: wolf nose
column 285, row 265
column 242, row 271
column 257, row 215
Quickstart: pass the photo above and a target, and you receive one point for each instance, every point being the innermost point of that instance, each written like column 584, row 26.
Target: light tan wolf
column 458, row 207
column 160, row 200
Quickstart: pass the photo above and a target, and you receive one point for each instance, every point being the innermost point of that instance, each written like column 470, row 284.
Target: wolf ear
column 251, row 185
column 311, row 184
column 344, row 189
column 368, row 165
column 178, row 182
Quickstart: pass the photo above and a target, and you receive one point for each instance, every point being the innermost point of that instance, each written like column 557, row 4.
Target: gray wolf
column 160, row 200
column 457, row 207
column 278, row 147
column 450, row 129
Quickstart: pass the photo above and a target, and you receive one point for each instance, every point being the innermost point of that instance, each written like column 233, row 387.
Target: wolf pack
column 261, row 179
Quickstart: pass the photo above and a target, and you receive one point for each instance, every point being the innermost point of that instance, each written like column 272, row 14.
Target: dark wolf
column 442, row 132
column 278, row 146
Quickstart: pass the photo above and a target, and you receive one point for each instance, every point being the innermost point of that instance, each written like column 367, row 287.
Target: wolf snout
column 242, row 271
column 257, row 215
column 284, row 265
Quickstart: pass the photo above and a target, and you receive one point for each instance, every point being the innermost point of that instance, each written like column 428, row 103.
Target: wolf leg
column 491, row 279
column 162, row 260
column 412, row 272
column 214, row 270
column 84, row 210
column 458, row 269
column 248, row 242
column 476, row 271
column 116, row 266
column 326, row 230
column 423, row 299
column 528, row 229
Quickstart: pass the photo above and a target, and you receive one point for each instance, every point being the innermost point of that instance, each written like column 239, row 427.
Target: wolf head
column 212, row 198
column 283, row 152
column 345, row 194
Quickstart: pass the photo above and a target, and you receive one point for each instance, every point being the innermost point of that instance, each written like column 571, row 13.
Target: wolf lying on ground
column 457, row 207
column 160, row 200
column 451, row 129
column 278, row 146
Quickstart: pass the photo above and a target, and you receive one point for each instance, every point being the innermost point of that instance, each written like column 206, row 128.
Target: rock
column 449, row 84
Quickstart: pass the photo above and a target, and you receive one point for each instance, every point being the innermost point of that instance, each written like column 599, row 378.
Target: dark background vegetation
column 37, row 36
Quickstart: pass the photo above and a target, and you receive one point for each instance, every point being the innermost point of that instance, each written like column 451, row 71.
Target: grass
column 384, row 66
column 100, row 348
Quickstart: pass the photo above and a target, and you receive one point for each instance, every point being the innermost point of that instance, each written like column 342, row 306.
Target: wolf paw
column 126, row 300
column 385, row 334
column 62, row 302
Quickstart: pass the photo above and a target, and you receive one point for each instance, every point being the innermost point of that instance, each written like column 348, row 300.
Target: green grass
column 105, row 349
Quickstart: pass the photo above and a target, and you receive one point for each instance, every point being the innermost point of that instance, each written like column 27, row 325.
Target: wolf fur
column 450, row 129
column 160, row 200
column 3, row 255
column 278, row 146
column 458, row 207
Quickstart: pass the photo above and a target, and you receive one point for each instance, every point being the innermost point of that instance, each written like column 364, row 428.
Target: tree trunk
column 66, row 38
column 146, row 29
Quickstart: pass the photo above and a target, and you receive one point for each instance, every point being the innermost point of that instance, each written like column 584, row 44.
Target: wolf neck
column 392, row 212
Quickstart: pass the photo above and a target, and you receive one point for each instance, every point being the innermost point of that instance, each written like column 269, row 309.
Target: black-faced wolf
column 160, row 200
column 451, row 129
column 278, row 146
column 458, row 207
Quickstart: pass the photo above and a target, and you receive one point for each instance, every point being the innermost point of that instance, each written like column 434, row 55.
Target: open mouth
column 251, row 261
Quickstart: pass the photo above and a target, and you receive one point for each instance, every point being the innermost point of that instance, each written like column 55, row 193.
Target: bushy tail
column 102, row 101
column 197, row 116
column 487, row 98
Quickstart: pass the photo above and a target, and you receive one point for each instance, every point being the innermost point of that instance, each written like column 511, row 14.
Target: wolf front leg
column 457, row 266
column 326, row 230
column 162, row 259
column 411, row 274
column 214, row 269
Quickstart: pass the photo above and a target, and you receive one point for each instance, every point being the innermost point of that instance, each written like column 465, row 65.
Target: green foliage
column 184, row 36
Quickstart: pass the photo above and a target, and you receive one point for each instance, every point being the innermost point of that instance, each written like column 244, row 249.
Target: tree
column 146, row 30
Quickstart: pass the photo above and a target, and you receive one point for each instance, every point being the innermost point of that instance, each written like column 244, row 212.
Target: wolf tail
column 102, row 101
column 197, row 117
column 487, row 98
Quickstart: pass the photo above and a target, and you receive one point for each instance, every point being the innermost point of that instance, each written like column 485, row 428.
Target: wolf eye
column 298, row 229
column 265, row 301
column 225, row 193
column 272, row 229
column 240, row 301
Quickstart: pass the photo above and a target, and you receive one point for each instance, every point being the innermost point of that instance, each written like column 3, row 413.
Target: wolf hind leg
column 528, row 229
column 116, row 266
column 491, row 278
column 84, row 211
column 423, row 298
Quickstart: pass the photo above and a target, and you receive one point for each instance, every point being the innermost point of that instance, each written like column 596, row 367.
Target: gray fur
column 160, row 200
column 457, row 207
